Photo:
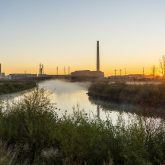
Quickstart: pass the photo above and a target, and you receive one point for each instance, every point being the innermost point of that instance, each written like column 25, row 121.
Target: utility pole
column 57, row 70
column 115, row 72
column 143, row 71
column 125, row 71
column 120, row 72
column 68, row 69
column 64, row 71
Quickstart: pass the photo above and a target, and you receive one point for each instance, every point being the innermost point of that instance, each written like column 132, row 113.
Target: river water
column 72, row 96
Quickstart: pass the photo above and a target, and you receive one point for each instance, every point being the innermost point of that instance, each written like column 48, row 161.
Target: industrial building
column 88, row 73
column 21, row 76
column 132, row 77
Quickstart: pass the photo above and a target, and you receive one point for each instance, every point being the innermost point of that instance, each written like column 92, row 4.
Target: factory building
column 88, row 73
column 21, row 76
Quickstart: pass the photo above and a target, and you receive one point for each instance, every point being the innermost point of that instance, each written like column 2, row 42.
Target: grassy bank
column 15, row 86
column 145, row 95
column 32, row 133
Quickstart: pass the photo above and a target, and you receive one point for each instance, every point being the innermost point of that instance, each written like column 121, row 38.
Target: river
column 72, row 96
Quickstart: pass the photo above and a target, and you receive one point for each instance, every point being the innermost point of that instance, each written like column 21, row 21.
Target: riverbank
column 144, row 95
column 7, row 87
column 32, row 133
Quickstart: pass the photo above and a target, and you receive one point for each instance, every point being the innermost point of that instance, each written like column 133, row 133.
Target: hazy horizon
column 64, row 33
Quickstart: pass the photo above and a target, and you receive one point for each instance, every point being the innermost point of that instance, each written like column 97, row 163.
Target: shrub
column 145, row 95
column 32, row 131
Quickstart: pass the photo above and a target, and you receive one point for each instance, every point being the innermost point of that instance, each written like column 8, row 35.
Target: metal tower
column 41, row 69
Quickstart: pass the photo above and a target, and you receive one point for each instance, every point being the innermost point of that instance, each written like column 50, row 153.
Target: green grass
column 146, row 95
column 15, row 86
column 34, row 134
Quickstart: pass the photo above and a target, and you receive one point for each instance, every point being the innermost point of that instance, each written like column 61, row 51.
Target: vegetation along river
column 72, row 96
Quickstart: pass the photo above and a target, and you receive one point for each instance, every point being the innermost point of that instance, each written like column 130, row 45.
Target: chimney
column 98, row 58
column 0, row 69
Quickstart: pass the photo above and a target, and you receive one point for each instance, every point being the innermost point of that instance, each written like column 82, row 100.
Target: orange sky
column 64, row 33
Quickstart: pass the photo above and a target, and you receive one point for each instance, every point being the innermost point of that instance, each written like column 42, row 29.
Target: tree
column 162, row 66
column 153, row 71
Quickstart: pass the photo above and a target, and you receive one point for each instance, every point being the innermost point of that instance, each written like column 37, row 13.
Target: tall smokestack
column 98, row 58
column 0, row 69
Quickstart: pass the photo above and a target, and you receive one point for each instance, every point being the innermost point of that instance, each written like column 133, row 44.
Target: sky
column 64, row 33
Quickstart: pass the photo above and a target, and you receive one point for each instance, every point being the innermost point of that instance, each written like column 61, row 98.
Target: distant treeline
column 15, row 86
column 145, row 95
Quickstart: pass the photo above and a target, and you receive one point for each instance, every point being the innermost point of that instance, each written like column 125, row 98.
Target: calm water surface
column 72, row 96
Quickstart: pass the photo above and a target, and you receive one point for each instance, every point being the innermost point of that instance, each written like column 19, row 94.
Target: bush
column 34, row 133
column 145, row 95
column 15, row 86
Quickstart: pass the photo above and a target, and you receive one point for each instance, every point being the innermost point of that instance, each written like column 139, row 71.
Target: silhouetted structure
column 2, row 75
column 17, row 76
column 115, row 72
column 143, row 71
column 153, row 71
column 130, row 77
column 41, row 69
column 68, row 69
column 57, row 70
column 125, row 71
column 162, row 66
column 120, row 72
column 98, row 58
column 87, row 74
column 64, row 71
